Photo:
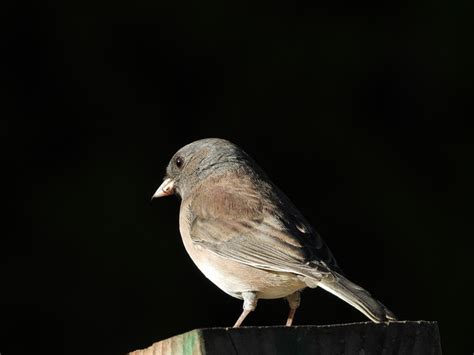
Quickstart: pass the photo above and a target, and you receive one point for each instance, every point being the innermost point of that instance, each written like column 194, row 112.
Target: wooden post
column 417, row 338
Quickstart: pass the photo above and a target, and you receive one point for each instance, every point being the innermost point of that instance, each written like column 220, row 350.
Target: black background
column 355, row 109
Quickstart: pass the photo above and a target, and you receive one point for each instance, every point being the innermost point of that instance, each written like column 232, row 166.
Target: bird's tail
column 357, row 297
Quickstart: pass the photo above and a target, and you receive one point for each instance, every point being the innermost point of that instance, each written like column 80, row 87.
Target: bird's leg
column 294, row 301
column 250, row 303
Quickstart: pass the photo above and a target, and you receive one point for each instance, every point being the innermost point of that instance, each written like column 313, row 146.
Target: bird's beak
column 165, row 189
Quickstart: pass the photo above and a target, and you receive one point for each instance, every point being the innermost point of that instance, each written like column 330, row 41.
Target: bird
column 247, row 237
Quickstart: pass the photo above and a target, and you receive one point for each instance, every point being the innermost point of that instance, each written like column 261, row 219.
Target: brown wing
column 234, row 219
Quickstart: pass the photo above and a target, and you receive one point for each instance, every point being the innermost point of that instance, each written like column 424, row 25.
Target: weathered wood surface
column 417, row 338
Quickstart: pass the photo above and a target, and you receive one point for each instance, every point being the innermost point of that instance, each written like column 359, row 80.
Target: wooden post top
column 401, row 337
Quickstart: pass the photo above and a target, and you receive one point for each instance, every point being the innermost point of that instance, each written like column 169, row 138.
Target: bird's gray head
column 196, row 161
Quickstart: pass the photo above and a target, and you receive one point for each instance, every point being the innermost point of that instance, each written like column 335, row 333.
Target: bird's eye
column 179, row 162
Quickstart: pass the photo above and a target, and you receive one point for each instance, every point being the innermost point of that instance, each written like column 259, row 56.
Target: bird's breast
column 234, row 277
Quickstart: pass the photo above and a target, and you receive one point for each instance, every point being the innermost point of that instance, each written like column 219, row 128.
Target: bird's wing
column 241, row 223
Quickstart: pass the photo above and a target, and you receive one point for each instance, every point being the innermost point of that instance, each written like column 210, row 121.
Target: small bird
column 247, row 237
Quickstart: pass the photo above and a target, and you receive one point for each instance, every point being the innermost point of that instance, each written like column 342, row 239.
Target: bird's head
column 191, row 164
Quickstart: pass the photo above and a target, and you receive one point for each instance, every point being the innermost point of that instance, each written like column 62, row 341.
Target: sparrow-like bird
column 247, row 237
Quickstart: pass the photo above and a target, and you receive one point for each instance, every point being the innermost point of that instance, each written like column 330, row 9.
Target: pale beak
column 165, row 189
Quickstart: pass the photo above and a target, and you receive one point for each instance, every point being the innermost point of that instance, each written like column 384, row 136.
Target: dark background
column 355, row 109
